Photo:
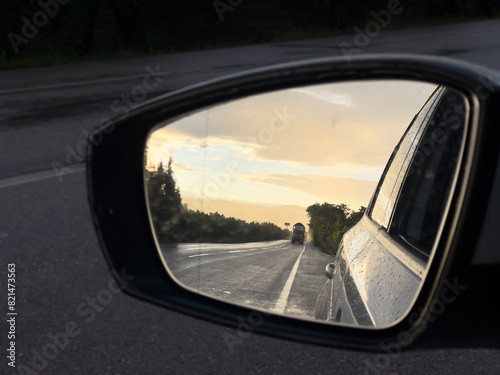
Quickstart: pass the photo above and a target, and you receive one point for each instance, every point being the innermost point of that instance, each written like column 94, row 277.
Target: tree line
column 328, row 223
column 83, row 27
column 175, row 223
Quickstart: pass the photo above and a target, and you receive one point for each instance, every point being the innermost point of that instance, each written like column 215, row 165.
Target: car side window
column 386, row 195
column 429, row 180
column 412, row 195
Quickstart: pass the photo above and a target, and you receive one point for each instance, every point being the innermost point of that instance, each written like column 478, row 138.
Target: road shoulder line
column 279, row 307
column 37, row 176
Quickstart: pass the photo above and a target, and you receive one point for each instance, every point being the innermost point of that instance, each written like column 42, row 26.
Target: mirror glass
column 321, row 202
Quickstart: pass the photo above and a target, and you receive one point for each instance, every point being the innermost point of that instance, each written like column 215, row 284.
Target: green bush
column 328, row 223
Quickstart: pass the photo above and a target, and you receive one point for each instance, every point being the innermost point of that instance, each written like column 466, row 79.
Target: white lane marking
column 242, row 251
column 197, row 255
column 76, row 84
column 279, row 307
column 33, row 177
column 218, row 253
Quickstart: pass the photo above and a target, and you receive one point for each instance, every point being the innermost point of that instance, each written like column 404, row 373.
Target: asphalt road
column 272, row 276
column 64, row 291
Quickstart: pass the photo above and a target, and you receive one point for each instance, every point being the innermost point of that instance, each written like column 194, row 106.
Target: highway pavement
column 275, row 276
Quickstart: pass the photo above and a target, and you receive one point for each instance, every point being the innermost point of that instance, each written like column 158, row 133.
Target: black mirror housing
column 455, row 288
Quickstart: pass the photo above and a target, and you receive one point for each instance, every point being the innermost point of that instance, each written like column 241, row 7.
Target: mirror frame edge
column 123, row 140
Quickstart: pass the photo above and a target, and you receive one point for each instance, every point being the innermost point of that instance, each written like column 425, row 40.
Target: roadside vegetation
column 328, row 223
column 175, row 223
column 52, row 32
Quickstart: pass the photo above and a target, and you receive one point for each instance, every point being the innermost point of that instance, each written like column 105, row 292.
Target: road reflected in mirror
column 320, row 202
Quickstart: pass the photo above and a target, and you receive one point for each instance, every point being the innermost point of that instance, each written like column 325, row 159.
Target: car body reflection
column 382, row 260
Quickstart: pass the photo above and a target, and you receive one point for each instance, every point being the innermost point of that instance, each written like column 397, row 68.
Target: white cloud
column 319, row 92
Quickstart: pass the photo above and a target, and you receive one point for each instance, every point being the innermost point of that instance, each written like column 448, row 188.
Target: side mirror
column 330, row 269
column 226, row 200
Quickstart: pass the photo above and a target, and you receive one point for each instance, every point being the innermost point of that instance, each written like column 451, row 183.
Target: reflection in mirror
column 254, row 200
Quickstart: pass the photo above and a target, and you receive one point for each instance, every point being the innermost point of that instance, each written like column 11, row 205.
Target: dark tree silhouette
column 79, row 28
column 174, row 223
column 164, row 202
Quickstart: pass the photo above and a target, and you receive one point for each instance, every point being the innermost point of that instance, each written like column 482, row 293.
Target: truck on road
column 298, row 233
